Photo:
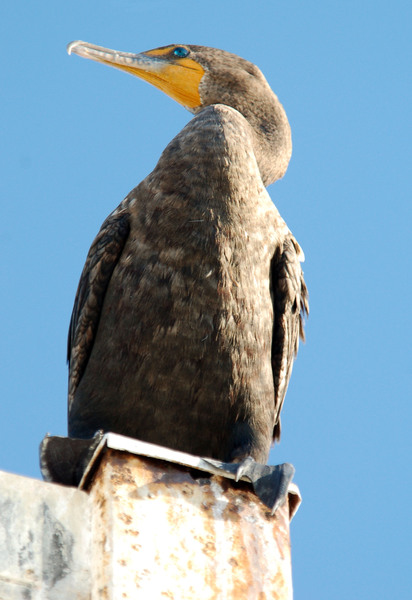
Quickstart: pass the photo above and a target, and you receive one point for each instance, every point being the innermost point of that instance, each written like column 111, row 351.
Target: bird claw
column 244, row 468
column 270, row 483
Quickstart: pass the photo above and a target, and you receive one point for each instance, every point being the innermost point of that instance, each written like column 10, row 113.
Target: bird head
column 194, row 76
column 197, row 77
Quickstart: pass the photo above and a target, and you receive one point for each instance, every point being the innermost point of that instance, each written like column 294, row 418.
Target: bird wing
column 100, row 263
column 290, row 306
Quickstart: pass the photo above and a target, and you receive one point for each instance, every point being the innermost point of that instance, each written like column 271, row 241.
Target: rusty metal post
column 159, row 531
column 148, row 525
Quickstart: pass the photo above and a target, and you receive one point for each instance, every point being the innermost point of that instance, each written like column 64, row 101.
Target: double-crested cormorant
column 189, row 309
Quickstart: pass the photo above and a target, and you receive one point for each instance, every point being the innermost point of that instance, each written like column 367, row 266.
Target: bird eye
column 180, row 52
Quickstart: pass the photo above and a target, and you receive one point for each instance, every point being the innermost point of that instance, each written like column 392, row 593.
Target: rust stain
column 125, row 518
column 136, row 547
column 198, row 538
column 103, row 593
column 133, row 532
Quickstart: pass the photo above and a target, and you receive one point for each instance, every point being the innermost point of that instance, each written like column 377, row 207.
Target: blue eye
column 180, row 52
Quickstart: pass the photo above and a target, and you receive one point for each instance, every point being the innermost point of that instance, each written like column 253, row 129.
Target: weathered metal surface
column 44, row 541
column 146, row 528
column 160, row 533
column 141, row 448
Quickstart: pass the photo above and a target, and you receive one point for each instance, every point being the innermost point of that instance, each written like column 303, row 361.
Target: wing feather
column 100, row 263
column 290, row 306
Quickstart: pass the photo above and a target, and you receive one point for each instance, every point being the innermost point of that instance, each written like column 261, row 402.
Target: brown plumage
column 189, row 308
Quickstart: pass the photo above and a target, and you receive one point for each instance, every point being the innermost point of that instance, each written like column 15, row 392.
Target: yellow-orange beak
column 179, row 77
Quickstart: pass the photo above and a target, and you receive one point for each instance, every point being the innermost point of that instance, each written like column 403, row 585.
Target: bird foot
column 63, row 460
column 270, row 483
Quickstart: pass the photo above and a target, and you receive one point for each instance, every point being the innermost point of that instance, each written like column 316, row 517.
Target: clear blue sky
column 77, row 136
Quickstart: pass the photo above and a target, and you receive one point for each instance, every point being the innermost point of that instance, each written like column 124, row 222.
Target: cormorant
column 190, row 306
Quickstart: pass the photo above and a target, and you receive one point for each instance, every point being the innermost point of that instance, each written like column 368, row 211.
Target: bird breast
column 188, row 315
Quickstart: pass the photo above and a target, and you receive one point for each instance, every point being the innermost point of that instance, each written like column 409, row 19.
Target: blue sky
column 77, row 136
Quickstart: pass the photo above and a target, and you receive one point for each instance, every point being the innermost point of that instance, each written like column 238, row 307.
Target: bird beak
column 177, row 77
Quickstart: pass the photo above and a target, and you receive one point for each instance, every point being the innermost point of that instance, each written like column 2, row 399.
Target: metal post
column 159, row 532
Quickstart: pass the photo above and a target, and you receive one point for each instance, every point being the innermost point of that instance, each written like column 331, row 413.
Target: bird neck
column 272, row 139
